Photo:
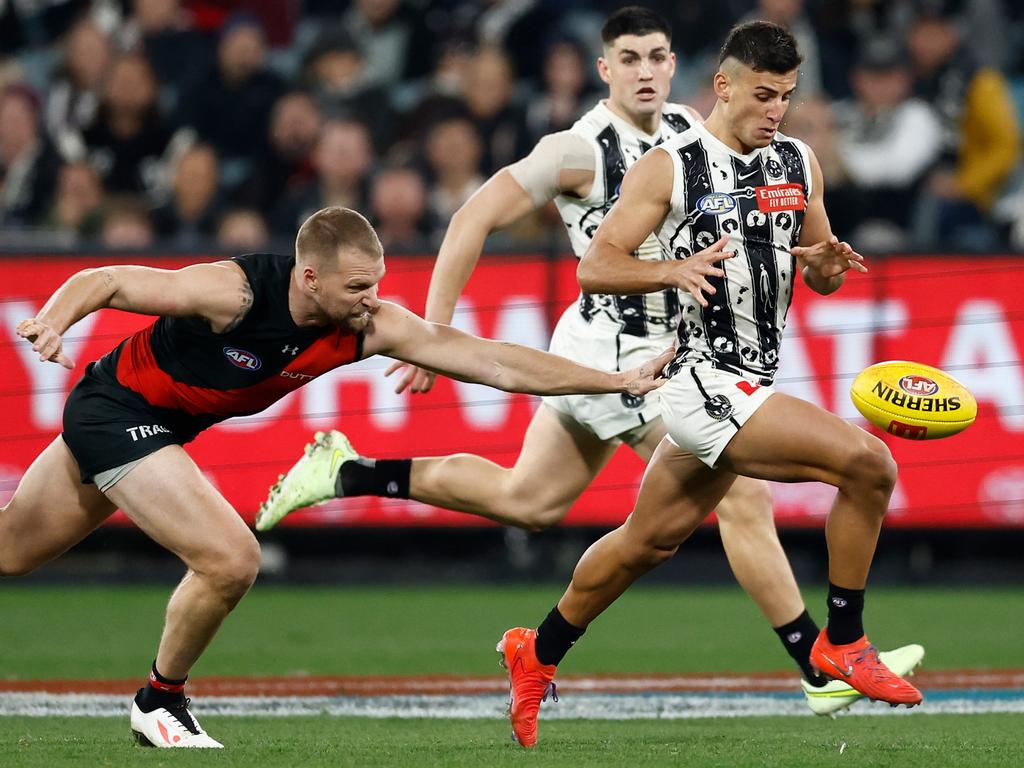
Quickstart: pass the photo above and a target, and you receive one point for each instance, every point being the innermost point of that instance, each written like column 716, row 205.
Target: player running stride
column 581, row 170
column 745, row 203
column 232, row 338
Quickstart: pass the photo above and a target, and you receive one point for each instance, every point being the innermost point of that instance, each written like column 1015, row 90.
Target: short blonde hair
column 329, row 231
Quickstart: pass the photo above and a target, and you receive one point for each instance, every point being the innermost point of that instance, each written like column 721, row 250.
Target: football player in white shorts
column 738, row 208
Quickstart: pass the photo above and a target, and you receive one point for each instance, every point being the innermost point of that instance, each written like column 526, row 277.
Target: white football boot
column 311, row 481
column 170, row 727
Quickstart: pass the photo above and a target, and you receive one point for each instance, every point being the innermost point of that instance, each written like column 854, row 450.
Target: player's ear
column 722, row 85
column 310, row 279
column 602, row 70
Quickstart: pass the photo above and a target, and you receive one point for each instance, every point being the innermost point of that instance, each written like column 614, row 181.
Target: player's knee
column 14, row 564
column 659, row 553
column 643, row 551
column 529, row 506
column 540, row 517
column 246, row 565
column 652, row 555
column 13, row 559
column 748, row 502
column 234, row 569
column 872, row 467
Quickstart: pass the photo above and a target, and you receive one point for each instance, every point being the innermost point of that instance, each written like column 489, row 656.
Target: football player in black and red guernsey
column 232, row 337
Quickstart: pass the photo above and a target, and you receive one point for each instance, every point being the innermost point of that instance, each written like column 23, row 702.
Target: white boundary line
column 580, row 706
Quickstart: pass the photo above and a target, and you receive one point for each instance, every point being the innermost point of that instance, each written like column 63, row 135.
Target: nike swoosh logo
column 844, row 671
column 335, row 461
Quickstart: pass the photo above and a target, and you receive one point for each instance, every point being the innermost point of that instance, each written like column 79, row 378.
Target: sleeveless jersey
column 180, row 365
column 617, row 145
column 758, row 200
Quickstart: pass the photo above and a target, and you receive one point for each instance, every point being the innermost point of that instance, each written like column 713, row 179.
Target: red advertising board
column 964, row 315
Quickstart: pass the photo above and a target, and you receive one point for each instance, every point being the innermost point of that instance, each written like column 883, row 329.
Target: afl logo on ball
column 242, row 359
column 918, row 385
column 716, row 203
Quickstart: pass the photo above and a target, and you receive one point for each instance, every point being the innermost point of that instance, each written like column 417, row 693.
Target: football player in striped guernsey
column 738, row 208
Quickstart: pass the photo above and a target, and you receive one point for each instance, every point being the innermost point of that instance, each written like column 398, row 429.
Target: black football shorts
column 107, row 425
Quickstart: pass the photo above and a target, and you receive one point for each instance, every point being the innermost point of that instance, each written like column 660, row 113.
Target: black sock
column 797, row 637
column 160, row 691
column 374, row 477
column 555, row 636
column 845, row 614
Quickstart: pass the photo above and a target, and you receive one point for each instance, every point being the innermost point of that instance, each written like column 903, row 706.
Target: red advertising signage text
column 959, row 314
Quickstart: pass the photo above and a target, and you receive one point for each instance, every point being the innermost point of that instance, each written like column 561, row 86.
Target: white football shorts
column 704, row 408
column 600, row 344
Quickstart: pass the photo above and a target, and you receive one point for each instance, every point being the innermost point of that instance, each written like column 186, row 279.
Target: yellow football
column 913, row 400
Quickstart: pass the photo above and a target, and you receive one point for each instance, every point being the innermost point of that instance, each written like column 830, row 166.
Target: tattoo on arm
column 244, row 306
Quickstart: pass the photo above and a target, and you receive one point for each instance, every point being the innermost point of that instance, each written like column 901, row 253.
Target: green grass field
column 94, row 632
column 90, row 632
column 989, row 741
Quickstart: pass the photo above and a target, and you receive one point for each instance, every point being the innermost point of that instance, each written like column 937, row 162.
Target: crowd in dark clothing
column 203, row 124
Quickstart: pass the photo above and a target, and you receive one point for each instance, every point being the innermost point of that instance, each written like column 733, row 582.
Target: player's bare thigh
column 51, row 511
column 172, row 502
column 559, row 459
column 747, row 499
column 644, row 440
column 554, row 439
column 677, row 493
column 791, row 440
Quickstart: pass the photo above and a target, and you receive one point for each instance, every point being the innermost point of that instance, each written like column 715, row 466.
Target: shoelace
column 874, row 664
column 552, row 689
column 180, row 713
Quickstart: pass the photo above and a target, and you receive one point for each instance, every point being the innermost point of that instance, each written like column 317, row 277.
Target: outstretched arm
column 644, row 201
column 398, row 333
column 218, row 292
column 824, row 259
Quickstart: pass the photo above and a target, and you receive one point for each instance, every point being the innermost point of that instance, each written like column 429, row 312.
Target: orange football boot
column 530, row 682
column 857, row 664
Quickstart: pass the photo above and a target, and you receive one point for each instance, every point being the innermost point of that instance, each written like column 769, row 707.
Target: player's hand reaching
column 648, row 376
column 45, row 340
column 418, row 379
column 830, row 258
column 691, row 274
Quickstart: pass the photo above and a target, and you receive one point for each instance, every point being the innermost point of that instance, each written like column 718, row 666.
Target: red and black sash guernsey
column 181, row 365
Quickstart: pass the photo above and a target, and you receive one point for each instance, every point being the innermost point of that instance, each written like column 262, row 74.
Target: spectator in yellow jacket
column 982, row 134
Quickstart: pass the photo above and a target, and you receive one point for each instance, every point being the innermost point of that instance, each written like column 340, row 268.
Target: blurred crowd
column 199, row 124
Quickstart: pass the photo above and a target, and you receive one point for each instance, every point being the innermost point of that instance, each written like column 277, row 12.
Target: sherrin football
column 913, row 400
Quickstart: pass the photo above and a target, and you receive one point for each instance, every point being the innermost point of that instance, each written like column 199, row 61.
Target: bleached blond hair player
column 580, row 170
column 231, row 338
column 738, row 208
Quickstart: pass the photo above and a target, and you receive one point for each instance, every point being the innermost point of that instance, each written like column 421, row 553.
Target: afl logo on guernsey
column 716, row 203
column 242, row 359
